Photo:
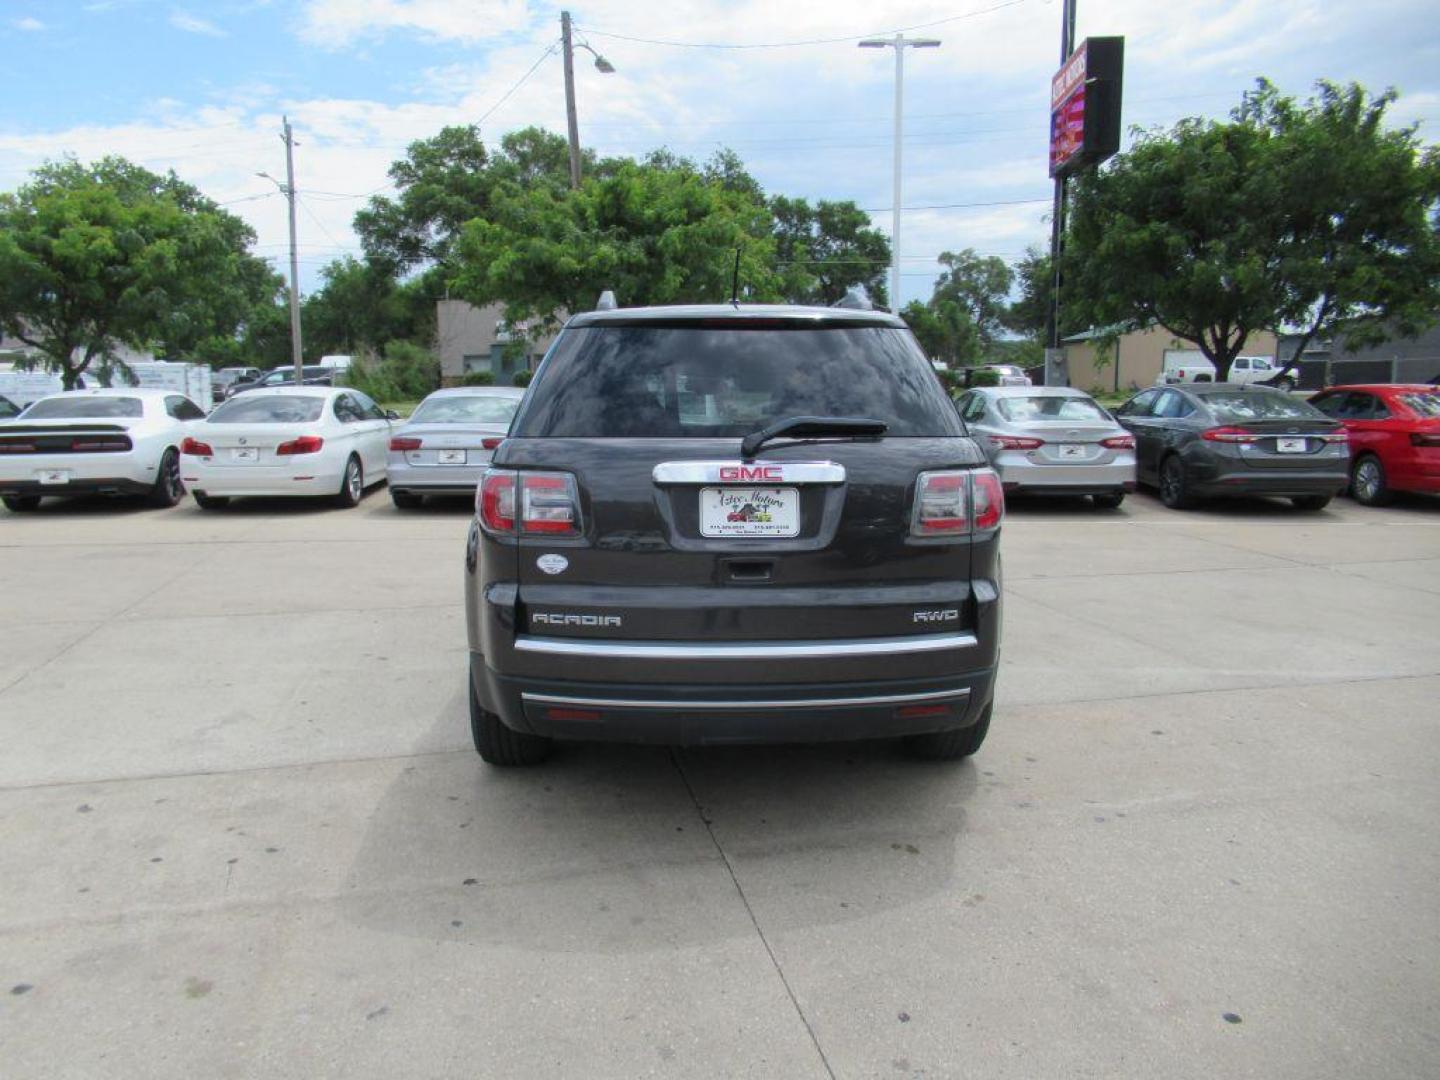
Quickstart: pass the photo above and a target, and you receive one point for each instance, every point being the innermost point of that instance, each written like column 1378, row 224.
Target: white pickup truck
column 1182, row 366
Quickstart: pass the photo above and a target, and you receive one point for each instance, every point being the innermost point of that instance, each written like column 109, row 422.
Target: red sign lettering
column 751, row 472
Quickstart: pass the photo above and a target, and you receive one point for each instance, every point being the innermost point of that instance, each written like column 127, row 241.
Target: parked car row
column 281, row 441
column 1205, row 440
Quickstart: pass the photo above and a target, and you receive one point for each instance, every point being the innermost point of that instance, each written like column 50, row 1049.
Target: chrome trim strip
column 708, row 472
column 740, row 650
column 959, row 694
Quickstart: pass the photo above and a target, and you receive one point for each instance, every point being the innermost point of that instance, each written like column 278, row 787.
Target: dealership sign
column 1085, row 105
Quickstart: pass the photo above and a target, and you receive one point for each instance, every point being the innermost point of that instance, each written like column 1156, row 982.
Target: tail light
column 1424, row 438
column 1335, row 436
column 17, row 448
column 196, row 448
column 1014, row 442
column 490, row 442
column 1119, row 442
column 1228, row 434
column 944, row 501
column 530, row 503
column 404, row 442
column 305, row 444
column 100, row 444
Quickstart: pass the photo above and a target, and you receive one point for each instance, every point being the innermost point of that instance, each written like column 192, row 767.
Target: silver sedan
column 1052, row 440
column 447, row 442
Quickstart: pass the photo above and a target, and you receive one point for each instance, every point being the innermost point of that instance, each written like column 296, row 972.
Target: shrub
column 985, row 377
column 523, row 377
column 477, row 378
column 405, row 372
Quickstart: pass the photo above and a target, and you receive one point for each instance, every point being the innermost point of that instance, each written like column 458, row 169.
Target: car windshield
column 1259, row 405
column 62, row 408
column 1426, row 403
column 8, row 407
column 1020, row 409
column 491, row 409
column 268, row 409
column 726, row 378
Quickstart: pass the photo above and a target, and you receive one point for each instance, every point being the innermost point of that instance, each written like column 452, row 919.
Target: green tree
column 654, row 233
column 1030, row 314
column 944, row 330
column 980, row 286
column 361, row 305
column 107, row 254
column 1308, row 215
column 826, row 249
column 1358, row 254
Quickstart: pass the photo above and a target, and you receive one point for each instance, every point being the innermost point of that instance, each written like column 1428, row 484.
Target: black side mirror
column 391, row 414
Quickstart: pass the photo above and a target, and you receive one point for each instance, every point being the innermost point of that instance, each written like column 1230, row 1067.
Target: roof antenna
column 735, row 281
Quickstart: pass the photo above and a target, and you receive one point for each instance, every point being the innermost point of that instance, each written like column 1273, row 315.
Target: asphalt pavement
column 243, row 832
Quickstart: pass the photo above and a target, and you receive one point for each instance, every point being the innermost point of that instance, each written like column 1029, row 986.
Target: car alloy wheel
column 1367, row 483
column 1172, row 484
column 352, row 478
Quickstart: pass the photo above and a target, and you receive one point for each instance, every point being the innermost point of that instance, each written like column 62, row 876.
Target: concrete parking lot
column 243, row 833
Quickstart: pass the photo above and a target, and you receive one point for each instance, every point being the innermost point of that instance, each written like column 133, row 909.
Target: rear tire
column 406, row 500
column 169, row 489
column 352, row 485
column 950, row 745
column 1110, row 500
column 499, row 745
column 21, row 504
column 211, row 502
column 1310, row 502
column 1368, row 484
column 1174, row 487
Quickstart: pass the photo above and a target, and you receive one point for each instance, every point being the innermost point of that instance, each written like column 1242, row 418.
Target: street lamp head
column 924, row 43
column 604, row 66
column 875, row 43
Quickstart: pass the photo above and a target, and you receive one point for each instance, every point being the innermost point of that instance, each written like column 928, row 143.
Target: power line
column 958, row 205
column 518, row 83
column 800, row 44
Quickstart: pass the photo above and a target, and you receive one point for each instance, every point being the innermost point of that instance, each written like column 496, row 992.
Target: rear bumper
column 111, row 485
column 434, row 479
column 1068, row 479
column 1257, row 482
column 263, row 482
column 692, row 714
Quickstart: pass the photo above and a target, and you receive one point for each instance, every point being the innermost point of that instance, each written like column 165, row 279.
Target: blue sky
column 200, row 87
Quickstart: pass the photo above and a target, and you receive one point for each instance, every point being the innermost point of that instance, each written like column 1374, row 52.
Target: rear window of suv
column 713, row 381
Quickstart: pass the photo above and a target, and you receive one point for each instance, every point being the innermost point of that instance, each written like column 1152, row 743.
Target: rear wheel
column 950, row 745
column 499, row 745
column 21, row 504
column 1310, row 502
column 406, row 500
column 352, row 486
column 1110, row 500
column 1174, row 488
column 211, row 502
column 1368, row 483
column 169, row 488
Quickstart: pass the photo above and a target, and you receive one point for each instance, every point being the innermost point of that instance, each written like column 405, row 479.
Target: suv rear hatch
column 637, row 425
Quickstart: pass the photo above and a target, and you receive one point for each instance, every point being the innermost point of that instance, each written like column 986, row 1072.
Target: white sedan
column 96, row 442
column 305, row 440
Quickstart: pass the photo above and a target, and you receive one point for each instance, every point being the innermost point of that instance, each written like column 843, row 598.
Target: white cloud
column 339, row 23
column 193, row 24
column 28, row 24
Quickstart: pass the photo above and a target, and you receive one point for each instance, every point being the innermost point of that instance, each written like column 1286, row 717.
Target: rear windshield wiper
column 853, row 427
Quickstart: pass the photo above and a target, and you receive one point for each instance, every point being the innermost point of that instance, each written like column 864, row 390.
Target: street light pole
column 1054, row 354
column 899, row 43
column 288, row 190
column 571, row 120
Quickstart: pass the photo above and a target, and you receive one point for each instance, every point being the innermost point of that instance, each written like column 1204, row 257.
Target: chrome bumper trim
column 740, row 650
column 958, row 694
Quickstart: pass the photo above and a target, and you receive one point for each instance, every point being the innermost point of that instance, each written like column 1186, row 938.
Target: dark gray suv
column 734, row 524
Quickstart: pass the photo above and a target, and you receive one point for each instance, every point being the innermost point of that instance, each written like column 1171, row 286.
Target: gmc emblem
column 944, row 615
column 752, row 472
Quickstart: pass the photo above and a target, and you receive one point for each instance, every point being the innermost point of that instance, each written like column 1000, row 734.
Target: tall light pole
column 571, row 120
column 1054, row 353
column 288, row 190
column 899, row 43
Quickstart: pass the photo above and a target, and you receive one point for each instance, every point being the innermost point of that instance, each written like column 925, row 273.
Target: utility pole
column 899, row 43
column 288, row 190
column 1053, row 352
column 571, row 119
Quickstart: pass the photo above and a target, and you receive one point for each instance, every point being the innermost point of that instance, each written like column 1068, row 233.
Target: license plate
column 736, row 511
column 1071, row 450
column 55, row 476
column 452, row 457
column 1290, row 446
column 245, row 453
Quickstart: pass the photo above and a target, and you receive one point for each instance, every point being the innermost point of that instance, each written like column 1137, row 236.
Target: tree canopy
column 107, row 254
column 967, row 310
column 1310, row 215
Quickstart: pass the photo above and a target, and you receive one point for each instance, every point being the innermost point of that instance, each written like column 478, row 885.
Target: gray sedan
column 1217, row 439
column 447, row 442
column 1051, row 440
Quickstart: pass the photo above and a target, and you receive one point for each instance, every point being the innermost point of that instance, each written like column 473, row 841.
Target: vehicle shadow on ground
column 618, row 849
column 87, row 506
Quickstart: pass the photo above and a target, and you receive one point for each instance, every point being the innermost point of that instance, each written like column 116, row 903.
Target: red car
column 1394, row 433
